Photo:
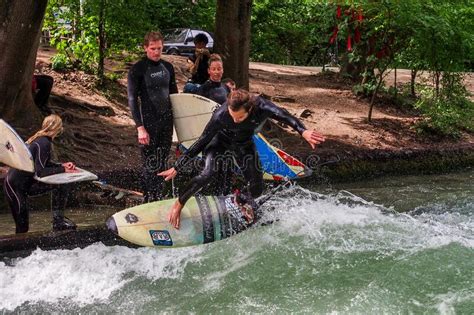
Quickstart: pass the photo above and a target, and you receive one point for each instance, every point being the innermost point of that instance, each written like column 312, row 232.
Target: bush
column 447, row 111
column 60, row 62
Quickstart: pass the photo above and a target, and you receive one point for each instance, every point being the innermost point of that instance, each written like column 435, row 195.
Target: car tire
column 173, row 52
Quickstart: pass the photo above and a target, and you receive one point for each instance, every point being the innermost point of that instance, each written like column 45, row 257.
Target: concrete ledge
column 59, row 240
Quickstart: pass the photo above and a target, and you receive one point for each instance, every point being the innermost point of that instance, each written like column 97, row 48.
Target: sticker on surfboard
column 161, row 238
column 13, row 150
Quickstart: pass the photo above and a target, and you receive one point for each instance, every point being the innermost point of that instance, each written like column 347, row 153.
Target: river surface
column 398, row 245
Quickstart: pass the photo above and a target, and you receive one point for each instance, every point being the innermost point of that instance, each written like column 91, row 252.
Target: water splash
column 85, row 276
column 325, row 253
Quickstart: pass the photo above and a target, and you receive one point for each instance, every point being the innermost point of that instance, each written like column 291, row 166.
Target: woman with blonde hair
column 18, row 184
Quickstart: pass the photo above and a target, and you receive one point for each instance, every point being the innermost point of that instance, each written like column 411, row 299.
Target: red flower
column 334, row 35
column 357, row 35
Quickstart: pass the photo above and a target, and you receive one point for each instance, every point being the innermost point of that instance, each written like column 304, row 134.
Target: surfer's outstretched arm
column 282, row 115
column 313, row 137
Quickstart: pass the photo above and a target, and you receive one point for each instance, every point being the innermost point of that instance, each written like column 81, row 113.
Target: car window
column 175, row 35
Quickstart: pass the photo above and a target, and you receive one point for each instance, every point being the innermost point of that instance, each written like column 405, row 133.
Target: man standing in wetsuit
column 150, row 83
column 231, row 128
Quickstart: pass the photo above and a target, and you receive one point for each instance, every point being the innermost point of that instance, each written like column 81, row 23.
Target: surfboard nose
column 111, row 225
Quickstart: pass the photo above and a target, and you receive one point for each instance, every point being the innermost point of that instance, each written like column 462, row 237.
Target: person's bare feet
column 174, row 216
column 248, row 213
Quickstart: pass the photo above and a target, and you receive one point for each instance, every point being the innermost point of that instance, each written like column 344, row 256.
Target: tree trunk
column 372, row 101
column 355, row 69
column 395, row 83
column 20, row 24
column 412, row 82
column 233, row 38
column 437, row 76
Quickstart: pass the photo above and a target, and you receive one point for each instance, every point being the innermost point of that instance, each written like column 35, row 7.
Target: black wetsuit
column 223, row 134
column 215, row 91
column 18, row 185
column 42, row 90
column 221, row 182
column 152, row 82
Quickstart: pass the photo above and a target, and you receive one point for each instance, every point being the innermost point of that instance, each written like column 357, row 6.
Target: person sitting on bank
column 199, row 64
column 214, row 89
column 41, row 86
column 19, row 185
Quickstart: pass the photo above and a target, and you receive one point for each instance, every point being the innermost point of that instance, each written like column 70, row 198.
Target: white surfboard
column 204, row 219
column 13, row 150
column 15, row 153
column 66, row 178
column 191, row 114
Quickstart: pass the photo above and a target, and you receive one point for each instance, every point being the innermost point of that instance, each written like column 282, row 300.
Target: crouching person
column 19, row 185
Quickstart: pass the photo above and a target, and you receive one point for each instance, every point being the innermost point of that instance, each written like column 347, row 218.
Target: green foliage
column 441, row 36
column 448, row 111
column 59, row 62
column 112, row 76
column 366, row 89
column 74, row 25
column 290, row 32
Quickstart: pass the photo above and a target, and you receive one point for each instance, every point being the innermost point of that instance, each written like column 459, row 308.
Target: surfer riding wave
column 231, row 129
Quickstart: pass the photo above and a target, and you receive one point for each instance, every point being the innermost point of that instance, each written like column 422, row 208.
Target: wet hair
column 240, row 98
column 228, row 80
column 214, row 58
column 51, row 127
column 201, row 38
column 152, row 36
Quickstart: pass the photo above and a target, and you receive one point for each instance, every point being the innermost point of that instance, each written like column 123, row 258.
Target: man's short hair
column 152, row 36
column 201, row 38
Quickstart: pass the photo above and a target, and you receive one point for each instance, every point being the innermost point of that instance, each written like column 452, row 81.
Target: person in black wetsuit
column 18, row 185
column 150, row 83
column 217, row 91
column 199, row 63
column 41, row 87
column 231, row 128
column 213, row 88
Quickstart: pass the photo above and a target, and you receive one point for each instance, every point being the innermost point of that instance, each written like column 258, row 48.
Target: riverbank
column 100, row 134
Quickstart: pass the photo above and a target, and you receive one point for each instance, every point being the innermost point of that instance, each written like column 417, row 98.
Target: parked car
column 179, row 41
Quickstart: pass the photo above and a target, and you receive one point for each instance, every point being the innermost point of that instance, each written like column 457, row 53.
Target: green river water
column 399, row 245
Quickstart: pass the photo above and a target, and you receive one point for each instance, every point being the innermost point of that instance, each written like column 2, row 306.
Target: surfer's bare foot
column 175, row 214
column 248, row 213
